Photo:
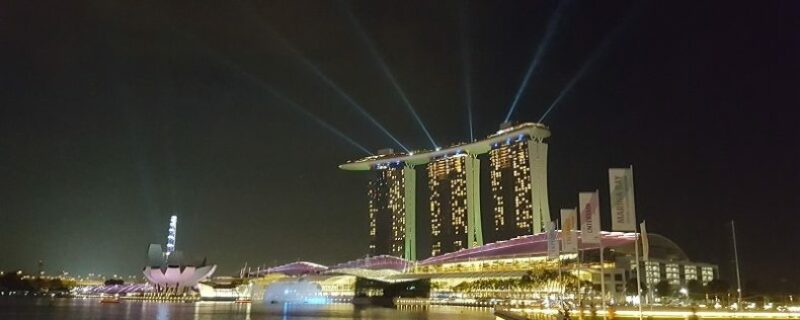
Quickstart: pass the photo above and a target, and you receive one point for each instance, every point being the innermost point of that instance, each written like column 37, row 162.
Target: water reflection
column 197, row 311
column 162, row 311
column 75, row 309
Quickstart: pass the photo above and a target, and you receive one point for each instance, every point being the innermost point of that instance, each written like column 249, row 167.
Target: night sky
column 114, row 115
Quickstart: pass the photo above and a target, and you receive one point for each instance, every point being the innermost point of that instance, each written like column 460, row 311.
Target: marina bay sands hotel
column 517, row 165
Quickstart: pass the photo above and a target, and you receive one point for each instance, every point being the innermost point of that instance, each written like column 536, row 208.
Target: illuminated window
column 690, row 272
column 652, row 272
column 447, row 183
column 707, row 274
column 387, row 212
column 511, row 190
column 673, row 274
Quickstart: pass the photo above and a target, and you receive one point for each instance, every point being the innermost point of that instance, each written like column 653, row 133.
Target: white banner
column 589, row 204
column 552, row 241
column 623, row 208
column 569, row 238
column 645, row 242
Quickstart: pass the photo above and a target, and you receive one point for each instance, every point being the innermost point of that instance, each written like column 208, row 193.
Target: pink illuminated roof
column 376, row 263
column 298, row 268
column 531, row 245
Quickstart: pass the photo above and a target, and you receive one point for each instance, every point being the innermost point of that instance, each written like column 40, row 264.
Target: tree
column 13, row 281
column 527, row 277
column 718, row 287
column 696, row 290
column 630, row 287
column 664, row 289
column 111, row 282
column 58, row 285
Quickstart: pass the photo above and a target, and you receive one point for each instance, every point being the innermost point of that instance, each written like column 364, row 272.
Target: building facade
column 387, row 212
column 518, row 185
column 677, row 273
column 518, row 157
column 510, row 183
column 447, row 183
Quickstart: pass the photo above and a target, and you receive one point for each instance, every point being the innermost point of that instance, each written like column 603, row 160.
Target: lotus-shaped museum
column 173, row 273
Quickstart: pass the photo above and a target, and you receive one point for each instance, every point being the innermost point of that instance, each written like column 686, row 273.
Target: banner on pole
column 645, row 242
column 569, row 238
column 589, row 203
column 552, row 241
column 623, row 208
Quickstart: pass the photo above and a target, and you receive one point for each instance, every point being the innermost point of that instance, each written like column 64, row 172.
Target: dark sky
column 116, row 114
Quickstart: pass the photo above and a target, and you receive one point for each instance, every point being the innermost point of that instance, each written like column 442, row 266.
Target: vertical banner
column 645, row 242
column 623, row 208
column 589, row 205
column 569, row 238
column 552, row 241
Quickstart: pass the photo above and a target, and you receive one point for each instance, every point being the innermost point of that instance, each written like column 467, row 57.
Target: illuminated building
column 447, row 182
column 491, row 273
column 518, row 182
column 389, row 229
column 505, row 262
column 385, row 212
column 454, row 183
column 169, row 271
column 677, row 273
column 311, row 283
column 175, row 275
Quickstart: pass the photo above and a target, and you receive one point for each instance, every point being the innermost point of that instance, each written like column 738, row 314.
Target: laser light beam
column 537, row 57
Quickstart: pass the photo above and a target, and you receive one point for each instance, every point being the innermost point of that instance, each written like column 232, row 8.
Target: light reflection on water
column 162, row 312
column 74, row 309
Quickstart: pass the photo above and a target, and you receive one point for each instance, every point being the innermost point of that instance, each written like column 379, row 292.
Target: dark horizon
column 116, row 115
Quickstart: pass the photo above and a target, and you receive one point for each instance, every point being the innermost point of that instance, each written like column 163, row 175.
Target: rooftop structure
column 297, row 268
column 374, row 263
column 117, row 289
column 536, row 131
column 532, row 245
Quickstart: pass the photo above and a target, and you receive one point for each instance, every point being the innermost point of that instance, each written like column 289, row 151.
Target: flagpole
column 602, row 264
column 638, row 267
column 578, row 266
column 602, row 277
column 560, row 277
column 738, row 277
column 636, row 246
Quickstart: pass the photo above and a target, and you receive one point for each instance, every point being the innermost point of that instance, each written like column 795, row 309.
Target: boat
column 109, row 300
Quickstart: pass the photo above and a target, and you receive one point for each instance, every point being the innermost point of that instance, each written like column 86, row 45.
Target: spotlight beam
column 537, row 57
column 321, row 122
column 352, row 102
column 328, row 81
column 389, row 75
column 465, row 61
column 595, row 55
column 295, row 106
